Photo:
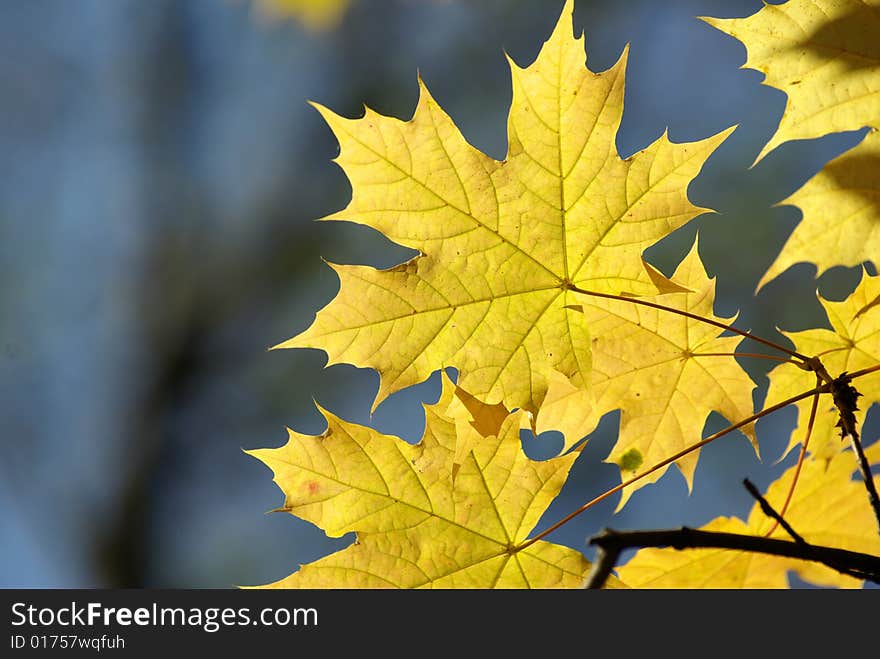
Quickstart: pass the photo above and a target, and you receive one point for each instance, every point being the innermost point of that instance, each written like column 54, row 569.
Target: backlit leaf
column 841, row 207
column 852, row 344
column 501, row 244
column 825, row 55
column 666, row 373
column 415, row 527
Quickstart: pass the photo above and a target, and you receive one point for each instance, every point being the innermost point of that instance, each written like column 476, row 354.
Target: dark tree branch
column 845, row 400
column 768, row 510
column 611, row 543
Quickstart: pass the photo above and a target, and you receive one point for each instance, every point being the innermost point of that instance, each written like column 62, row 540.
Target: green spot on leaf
column 631, row 460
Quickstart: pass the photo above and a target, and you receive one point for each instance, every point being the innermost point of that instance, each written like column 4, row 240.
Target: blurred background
column 160, row 174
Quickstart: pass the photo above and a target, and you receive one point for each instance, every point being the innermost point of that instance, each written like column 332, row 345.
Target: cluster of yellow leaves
column 530, row 281
column 852, row 344
column 828, row 509
column 665, row 372
column 825, row 55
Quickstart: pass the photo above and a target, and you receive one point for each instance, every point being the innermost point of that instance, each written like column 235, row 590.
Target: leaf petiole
column 801, row 456
column 756, row 355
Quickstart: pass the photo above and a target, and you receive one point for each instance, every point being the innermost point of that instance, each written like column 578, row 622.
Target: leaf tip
column 766, row 149
column 514, row 67
column 622, row 59
column 326, row 113
column 567, row 11
column 661, row 282
column 292, row 342
column 712, row 21
column 727, row 131
column 324, row 412
column 426, row 99
column 762, row 282
column 381, row 394
column 424, row 94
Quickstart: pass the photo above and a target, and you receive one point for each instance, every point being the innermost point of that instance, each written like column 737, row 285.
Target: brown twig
column 802, row 454
column 693, row 316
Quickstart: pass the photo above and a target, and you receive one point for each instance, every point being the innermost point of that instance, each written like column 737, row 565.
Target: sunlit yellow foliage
column 828, row 509
column 852, row 344
column 825, row 55
column 666, row 373
column 514, row 257
column 841, row 207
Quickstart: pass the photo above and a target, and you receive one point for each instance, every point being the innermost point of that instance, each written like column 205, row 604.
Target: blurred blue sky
column 160, row 171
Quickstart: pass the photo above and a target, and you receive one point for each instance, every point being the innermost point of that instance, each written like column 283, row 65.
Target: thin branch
column 611, row 543
column 692, row 316
column 768, row 510
column 671, row 459
column 864, row 371
column 865, row 470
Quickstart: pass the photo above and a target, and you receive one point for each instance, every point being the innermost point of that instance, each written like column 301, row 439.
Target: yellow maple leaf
column 841, row 207
column 415, row 527
column 852, row 344
column 825, row 55
column 666, row 373
column 828, row 509
column 501, row 244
